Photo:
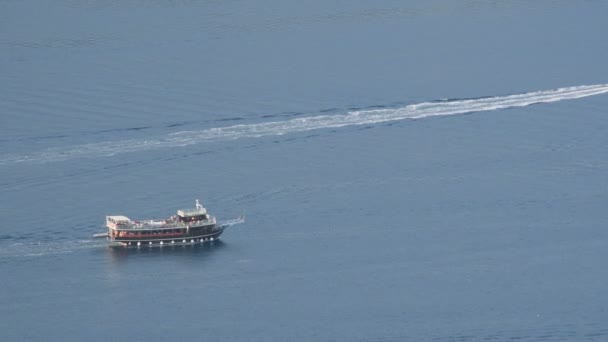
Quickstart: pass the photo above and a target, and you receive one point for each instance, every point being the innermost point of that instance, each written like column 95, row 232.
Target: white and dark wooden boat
column 188, row 226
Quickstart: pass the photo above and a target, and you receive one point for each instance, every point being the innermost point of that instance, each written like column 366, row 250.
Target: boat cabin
column 193, row 215
column 117, row 221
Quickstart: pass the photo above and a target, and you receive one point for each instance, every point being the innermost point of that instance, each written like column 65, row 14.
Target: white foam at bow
column 360, row 117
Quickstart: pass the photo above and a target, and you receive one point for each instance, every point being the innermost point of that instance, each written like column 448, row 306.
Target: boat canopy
column 117, row 219
column 200, row 210
column 191, row 212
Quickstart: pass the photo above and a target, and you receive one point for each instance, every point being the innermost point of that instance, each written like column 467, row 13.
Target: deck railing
column 169, row 225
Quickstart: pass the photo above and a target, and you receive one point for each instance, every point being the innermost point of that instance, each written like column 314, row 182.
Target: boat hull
column 177, row 240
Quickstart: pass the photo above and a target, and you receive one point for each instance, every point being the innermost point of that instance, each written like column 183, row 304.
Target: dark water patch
column 25, row 236
column 462, row 338
column 365, row 128
column 328, row 110
column 544, row 337
column 370, row 107
column 279, row 115
column 127, row 129
column 47, row 137
column 291, row 139
column 112, row 167
column 230, row 119
column 178, row 124
column 596, row 334
column 236, row 118
column 200, row 153
column 57, row 43
column 456, row 99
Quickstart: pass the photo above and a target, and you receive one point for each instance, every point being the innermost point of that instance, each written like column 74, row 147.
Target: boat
column 188, row 226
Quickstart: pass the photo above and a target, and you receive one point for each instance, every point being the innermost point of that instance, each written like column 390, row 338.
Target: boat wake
column 275, row 128
column 42, row 248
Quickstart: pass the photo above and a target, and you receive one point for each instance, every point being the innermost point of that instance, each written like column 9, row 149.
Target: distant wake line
column 361, row 117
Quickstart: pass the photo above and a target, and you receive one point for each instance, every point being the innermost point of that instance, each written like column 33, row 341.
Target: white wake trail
column 361, row 117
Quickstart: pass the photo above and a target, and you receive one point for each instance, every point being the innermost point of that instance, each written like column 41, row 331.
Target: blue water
column 419, row 171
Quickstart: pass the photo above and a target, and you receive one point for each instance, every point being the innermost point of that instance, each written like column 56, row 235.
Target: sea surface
column 409, row 170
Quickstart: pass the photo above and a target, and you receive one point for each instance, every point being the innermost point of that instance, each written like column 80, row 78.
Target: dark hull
column 182, row 239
